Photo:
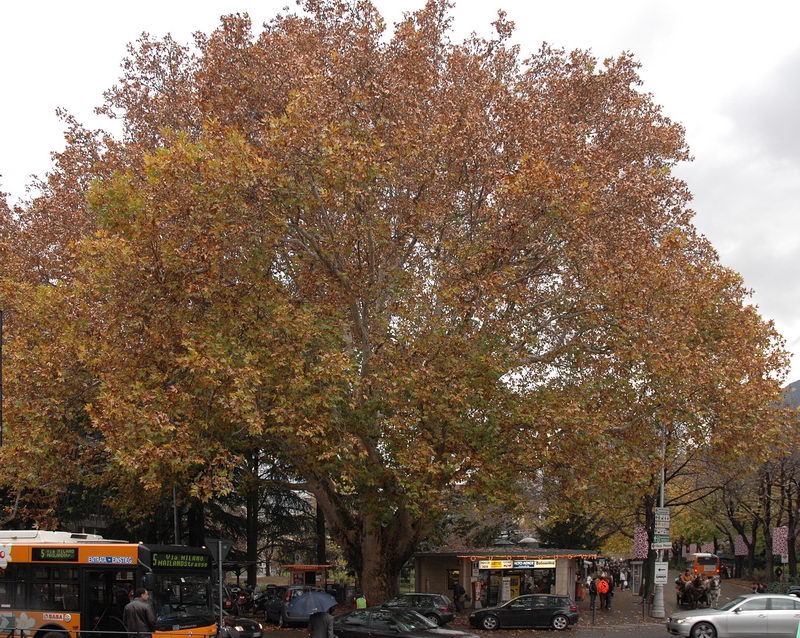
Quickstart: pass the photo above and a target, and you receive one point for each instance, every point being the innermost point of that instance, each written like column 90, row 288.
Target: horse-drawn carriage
column 691, row 594
column 698, row 591
column 699, row 586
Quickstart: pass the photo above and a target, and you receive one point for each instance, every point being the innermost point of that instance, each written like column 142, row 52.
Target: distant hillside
column 791, row 396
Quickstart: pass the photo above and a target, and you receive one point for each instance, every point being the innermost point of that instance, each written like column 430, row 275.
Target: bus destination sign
column 55, row 554
column 166, row 560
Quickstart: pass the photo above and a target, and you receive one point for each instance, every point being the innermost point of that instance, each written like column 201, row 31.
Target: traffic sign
column 219, row 548
column 660, row 545
column 662, row 570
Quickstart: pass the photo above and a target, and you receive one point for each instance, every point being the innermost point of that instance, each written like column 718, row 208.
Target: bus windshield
column 179, row 599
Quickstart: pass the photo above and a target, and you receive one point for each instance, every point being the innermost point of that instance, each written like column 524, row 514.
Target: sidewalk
column 626, row 609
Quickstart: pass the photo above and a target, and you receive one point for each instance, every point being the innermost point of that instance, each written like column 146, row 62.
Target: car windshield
column 732, row 603
column 176, row 598
column 411, row 621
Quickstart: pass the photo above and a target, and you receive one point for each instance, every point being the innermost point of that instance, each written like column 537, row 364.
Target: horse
column 714, row 590
column 694, row 593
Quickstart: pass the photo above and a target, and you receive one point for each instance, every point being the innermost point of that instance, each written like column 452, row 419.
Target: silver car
column 752, row 615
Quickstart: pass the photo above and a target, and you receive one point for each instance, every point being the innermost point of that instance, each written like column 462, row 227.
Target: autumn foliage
column 407, row 267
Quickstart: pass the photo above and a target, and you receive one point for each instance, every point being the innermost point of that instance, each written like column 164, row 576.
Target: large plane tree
column 377, row 256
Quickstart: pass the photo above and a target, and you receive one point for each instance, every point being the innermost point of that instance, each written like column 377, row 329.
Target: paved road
column 625, row 620
column 639, row 631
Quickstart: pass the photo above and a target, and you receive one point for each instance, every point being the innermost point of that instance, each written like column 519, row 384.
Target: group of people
column 615, row 574
column 602, row 586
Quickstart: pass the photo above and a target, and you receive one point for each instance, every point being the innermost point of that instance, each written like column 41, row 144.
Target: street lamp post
column 658, row 594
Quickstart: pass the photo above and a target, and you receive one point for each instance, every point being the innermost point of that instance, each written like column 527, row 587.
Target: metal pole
column 658, row 595
column 219, row 564
column 175, row 516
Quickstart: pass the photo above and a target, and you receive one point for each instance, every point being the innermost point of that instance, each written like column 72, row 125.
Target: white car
column 762, row 615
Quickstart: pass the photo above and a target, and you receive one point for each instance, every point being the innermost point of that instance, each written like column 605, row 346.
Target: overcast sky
column 728, row 71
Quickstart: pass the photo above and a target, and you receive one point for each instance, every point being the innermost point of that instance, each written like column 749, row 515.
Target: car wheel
column 490, row 622
column 704, row 630
column 560, row 622
column 433, row 618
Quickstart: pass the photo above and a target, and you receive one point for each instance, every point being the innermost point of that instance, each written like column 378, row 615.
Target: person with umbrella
column 318, row 606
column 320, row 624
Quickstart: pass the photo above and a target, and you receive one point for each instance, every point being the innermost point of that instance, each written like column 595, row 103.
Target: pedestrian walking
column 623, row 579
column 320, row 624
column 602, row 589
column 610, row 593
column 458, row 595
column 138, row 615
column 592, row 593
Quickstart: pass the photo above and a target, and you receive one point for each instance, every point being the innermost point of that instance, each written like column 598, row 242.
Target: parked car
column 277, row 608
column 534, row 610
column 435, row 607
column 245, row 627
column 380, row 622
column 775, row 615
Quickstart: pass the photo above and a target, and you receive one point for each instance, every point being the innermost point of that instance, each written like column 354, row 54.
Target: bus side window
column 40, row 596
column 54, row 588
column 6, row 587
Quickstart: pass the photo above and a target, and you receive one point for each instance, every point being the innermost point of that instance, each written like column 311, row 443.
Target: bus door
column 106, row 592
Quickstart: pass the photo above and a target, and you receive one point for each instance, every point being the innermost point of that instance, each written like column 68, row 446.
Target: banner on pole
column 780, row 540
column 739, row 545
column 640, row 549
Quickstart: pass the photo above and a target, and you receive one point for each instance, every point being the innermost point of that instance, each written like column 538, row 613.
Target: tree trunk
column 751, row 549
column 765, row 490
column 252, row 534
column 376, row 548
column 376, row 581
column 197, row 523
column 322, row 558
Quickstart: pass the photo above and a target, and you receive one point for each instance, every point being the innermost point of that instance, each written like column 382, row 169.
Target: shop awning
column 510, row 553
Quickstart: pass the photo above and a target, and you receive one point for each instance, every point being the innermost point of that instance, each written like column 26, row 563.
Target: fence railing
column 98, row 633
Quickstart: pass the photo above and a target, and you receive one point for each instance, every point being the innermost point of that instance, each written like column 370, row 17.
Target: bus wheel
column 55, row 634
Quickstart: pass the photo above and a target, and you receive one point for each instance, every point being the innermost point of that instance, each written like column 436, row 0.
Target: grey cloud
column 750, row 210
column 769, row 113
